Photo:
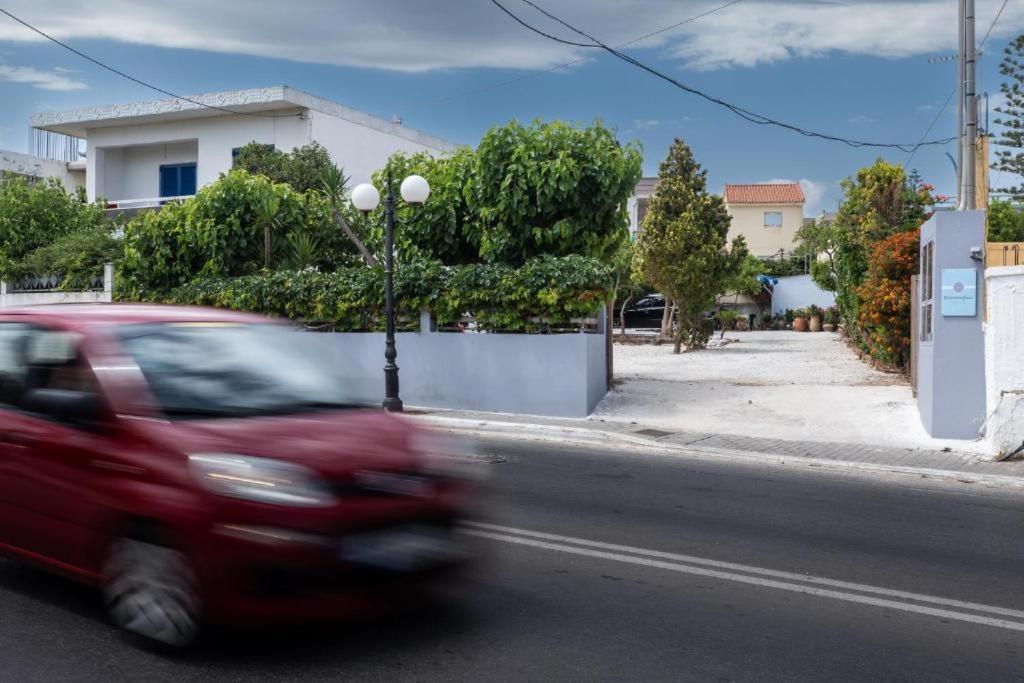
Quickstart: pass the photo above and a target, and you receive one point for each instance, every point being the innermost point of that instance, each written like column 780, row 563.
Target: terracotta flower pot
column 799, row 324
column 828, row 327
column 815, row 323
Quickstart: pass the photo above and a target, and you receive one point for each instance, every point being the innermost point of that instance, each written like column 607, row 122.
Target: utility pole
column 968, row 141
column 960, row 51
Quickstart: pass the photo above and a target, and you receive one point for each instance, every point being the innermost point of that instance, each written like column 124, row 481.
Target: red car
column 200, row 464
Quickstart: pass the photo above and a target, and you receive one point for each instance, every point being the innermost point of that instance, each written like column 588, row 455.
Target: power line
column 133, row 78
column 994, row 22
column 534, row 74
column 953, row 92
column 746, row 114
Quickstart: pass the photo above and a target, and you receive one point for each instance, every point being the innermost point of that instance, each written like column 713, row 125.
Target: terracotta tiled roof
column 766, row 193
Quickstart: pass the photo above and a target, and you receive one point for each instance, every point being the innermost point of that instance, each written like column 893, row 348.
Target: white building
column 138, row 154
column 638, row 203
column 71, row 173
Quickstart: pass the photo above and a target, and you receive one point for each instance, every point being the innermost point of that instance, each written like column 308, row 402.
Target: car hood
column 334, row 443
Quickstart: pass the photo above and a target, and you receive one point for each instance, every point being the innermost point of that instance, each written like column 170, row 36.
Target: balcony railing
column 136, row 205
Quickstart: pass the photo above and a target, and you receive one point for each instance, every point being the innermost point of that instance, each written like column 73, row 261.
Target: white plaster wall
column 535, row 374
column 360, row 150
column 131, row 173
column 37, row 167
column 1004, row 358
column 140, row 166
column 748, row 220
column 799, row 291
column 214, row 137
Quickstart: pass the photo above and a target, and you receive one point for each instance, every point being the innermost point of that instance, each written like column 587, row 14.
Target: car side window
column 32, row 357
column 14, row 340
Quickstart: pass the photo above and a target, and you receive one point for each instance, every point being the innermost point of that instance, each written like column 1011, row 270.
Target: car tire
column 151, row 592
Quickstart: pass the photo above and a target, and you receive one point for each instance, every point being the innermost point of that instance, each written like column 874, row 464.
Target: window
column 36, row 358
column 177, row 180
column 773, row 219
column 927, row 286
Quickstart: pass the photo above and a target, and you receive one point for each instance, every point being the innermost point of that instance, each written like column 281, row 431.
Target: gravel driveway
column 784, row 385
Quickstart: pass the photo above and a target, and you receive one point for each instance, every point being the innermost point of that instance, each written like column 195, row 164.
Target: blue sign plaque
column 959, row 292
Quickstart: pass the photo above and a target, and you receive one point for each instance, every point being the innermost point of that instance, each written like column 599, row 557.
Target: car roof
column 88, row 315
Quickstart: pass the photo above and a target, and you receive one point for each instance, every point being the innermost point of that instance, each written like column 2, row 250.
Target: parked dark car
column 199, row 464
column 645, row 311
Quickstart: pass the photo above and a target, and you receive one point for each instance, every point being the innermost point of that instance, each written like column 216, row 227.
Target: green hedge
column 542, row 294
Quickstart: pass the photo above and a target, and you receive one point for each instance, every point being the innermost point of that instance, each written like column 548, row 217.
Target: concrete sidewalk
column 940, row 464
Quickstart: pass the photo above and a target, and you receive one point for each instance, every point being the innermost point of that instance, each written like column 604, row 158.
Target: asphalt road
column 625, row 566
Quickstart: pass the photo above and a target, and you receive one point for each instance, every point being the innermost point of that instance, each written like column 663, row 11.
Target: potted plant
column 814, row 318
column 800, row 320
column 831, row 318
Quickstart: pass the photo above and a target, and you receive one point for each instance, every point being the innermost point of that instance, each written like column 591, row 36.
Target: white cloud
column 440, row 34
column 646, row 124
column 862, row 119
column 55, row 79
column 820, row 196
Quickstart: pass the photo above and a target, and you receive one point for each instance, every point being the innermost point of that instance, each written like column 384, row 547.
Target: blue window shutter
column 187, row 182
column 168, row 181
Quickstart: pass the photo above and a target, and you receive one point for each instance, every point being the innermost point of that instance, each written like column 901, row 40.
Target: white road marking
column 644, row 557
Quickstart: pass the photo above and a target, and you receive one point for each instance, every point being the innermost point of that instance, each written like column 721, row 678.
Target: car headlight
column 262, row 480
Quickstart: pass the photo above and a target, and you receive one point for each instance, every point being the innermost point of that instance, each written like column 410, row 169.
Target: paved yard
column 782, row 385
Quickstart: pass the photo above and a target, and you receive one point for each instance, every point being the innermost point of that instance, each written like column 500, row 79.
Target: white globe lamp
column 365, row 197
column 415, row 189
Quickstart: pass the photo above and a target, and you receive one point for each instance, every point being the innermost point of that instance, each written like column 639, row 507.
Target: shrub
column 884, row 316
column 33, row 214
column 76, row 257
column 543, row 293
column 726, row 319
column 1005, row 222
column 218, row 234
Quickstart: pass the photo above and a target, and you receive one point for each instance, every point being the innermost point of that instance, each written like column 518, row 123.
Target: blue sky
column 856, row 69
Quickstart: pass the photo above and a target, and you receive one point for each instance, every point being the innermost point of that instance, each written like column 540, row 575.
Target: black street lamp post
column 365, row 197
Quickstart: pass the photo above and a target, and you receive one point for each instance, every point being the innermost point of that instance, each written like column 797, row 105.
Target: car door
column 13, row 369
column 50, row 460
column 654, row 310
column 634, row 314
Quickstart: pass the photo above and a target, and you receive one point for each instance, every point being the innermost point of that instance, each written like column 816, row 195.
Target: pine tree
column 1011, row 117
column 682, row 249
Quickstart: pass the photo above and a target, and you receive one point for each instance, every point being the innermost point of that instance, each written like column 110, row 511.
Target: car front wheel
column 151, row 592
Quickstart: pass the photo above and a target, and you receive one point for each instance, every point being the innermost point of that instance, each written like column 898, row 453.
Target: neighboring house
column 768, row 215
column 141, row 154
column 639, row 202
column 71, row 173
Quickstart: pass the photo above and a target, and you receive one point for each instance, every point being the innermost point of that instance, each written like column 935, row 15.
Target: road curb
column 521, row 431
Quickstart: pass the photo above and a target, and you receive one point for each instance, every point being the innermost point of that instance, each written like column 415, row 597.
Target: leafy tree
column 627, row 286
column 332, row 184
column 302, row 168
column 819, row 241
column 446, row 226
column 1005, row 221
column 33, row 214
column 550, row 188
column 1010, row 117
column 683, row 248
column 880, row 201
column 884, row 313
column 544, row 189
column 220, row 233
column 76, row 257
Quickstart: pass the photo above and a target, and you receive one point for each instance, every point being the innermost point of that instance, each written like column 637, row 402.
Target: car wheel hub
column 151, row 592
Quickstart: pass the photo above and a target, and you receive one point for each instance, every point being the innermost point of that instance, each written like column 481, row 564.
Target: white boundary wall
column 9, row 298
column 563, row 375
column 1004, row 358
column 799, row 291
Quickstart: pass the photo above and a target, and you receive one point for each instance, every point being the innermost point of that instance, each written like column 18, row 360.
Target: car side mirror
column 65, row 405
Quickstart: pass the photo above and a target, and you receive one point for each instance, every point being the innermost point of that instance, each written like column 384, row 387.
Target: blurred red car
column 200, row 464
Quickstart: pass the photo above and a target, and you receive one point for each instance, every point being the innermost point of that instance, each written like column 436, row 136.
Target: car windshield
column 234, row 370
